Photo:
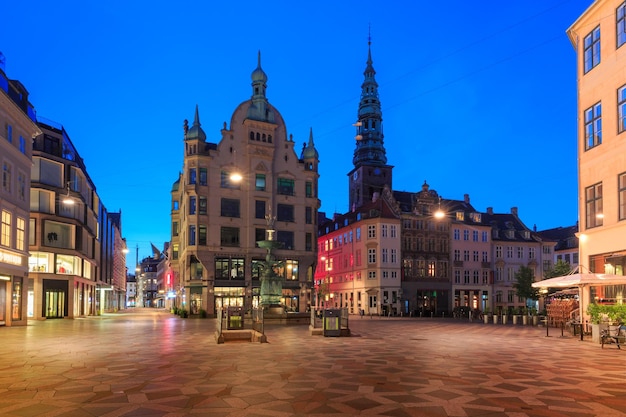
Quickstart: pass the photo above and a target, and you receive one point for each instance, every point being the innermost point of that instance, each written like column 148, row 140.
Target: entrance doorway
column 55, row 302
column 3, row 301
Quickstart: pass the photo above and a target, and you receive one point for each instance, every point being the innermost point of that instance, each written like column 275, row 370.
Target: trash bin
column 332, row 319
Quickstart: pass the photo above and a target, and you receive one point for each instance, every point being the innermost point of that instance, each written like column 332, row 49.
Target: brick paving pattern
column 151, row 363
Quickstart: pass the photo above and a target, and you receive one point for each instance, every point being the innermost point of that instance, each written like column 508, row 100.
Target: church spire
column 370, row 149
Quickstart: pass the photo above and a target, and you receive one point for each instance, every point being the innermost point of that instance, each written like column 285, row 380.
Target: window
column 203, row 176
column 466, row 255
column 285, row 213
column 259, row 209
column 202, row 235
column 229, row 236
column 175, row 251
column 475, row 256
column 286, row 186
column 465, row 234
column 593, row 205
column 394, row 256
column 593, row 126
column 371, row 231
column 383, row 230
column 286, row 237
column 10, row 133
column 5, row 234
column 192, row 205
column 192, row 176
column 22, row 145
column 384, row 255
column 20, row 237
column 371, row 256
column 226, row 182
column 621, row 27
column 457, row 234
column 229, row 207
column 230, row 268
column 308, row 242
column 174, row 228
column 509, row 252
column 531, row 253
column 371, row 274
column 520, row 252
column 21, row 185
column 308, row 215
column 498, row 251
column 192, row 235
column 259, row 182
column 466, row 277
column 621, row 185
column 308, row 189
column 358, row 234
column 457, row 255
column 592, row 49
column 6, row 177
column 393, row 230
column 475, row 235
column 457, row 276
column 431, row 268
column 621, row 109
column 202, row 205
column 288, row 270
column 485, row 237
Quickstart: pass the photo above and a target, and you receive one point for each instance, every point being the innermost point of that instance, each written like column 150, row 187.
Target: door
column 55, row 304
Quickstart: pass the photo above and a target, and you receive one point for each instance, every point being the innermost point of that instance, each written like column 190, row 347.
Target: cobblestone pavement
column 151, row 363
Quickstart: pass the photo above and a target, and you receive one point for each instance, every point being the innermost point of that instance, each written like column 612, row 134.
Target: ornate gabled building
column 426, row 224
column 217, row 217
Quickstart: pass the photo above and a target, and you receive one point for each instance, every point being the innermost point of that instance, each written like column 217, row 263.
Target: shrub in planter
column 203, row 314
column 183, row 313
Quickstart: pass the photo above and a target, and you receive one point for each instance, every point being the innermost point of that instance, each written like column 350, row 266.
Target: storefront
column 12, row 297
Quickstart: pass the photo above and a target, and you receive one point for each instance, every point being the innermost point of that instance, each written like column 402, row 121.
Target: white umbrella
column 577, row 280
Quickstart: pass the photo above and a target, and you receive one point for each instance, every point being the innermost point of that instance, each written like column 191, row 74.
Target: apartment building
column 599, row 39
column 17, row 128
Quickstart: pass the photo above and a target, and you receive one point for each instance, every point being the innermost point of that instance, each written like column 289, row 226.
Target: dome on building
column 309, row 151
column 258, row 75
column 195, row 132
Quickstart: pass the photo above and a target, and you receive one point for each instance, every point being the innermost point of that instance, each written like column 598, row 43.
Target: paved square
column 151, row 363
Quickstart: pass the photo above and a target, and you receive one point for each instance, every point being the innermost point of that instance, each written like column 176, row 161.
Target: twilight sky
column 478, row 98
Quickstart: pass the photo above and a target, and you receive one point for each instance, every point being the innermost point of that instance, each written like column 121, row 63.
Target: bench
column 614, row 334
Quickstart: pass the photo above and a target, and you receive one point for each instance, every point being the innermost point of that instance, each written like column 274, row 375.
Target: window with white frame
column 593, row 126
column 371, row 256
column 371, row 231
column 485, row 236
column 591, row 47
column 6, row 176
column 485, row 257
column 620, row 14
column 475, row 235
column 621, row 184
column 509, row 252
column 457, row 234
column 621, row 109
column 371, row 274
column 531, row 253
column 498, row 251
column 466, row 277
column 593, row 205
column 465, row 234
column 520, row 252
column 510, row 274
column 475, row 256
column 466, row 255
column 457, row 254
column 394, row 256
column 383, row 230
column 457, row 276
column 393, row 231
column 20, row 236
column 5, row 234
column 385, row 255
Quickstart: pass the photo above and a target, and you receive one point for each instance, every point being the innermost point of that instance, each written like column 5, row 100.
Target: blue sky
column 478, row 98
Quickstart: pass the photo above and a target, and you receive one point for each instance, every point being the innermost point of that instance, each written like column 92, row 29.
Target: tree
column 560, row 269
column 524, row 278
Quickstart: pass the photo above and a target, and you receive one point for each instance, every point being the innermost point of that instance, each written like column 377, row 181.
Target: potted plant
column 486, row 314
column 524, row 314
column 505, row 316
column 535, row 317
column 515, row 313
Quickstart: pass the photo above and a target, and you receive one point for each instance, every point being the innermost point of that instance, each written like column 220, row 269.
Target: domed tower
column 371, row 172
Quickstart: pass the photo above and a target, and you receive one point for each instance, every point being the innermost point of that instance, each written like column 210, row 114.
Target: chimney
column 514, row 211
column 489, row 210
column 466, row 198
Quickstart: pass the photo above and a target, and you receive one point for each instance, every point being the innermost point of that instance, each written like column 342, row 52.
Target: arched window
column 269, row 138
column 251, row 135
column 258, row 136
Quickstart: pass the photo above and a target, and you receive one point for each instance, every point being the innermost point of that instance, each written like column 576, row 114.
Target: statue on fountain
column 271, row 284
